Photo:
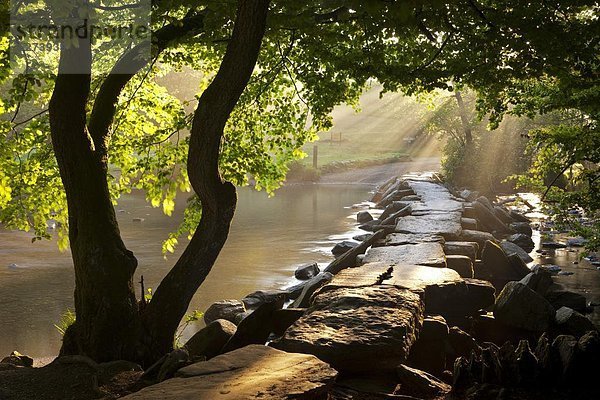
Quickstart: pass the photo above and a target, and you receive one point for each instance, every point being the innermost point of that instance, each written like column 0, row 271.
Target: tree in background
column 473, row 155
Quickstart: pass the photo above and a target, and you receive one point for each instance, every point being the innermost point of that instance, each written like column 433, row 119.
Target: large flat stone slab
column 412, row 277
column 439, row 205
column 398, row 239
column 445, row 224
column 358, row 329
column 444, row 291
column 430, row 254
column 252, row 372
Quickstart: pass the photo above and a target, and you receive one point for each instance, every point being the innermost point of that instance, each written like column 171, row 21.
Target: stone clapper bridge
column 360, row 317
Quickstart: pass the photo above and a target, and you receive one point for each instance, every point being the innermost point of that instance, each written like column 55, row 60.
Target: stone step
column 430, row 254
column 445, row 224
column 358, row 329
column 251, row 372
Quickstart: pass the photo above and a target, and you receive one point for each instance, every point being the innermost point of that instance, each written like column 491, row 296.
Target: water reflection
column 269, row 238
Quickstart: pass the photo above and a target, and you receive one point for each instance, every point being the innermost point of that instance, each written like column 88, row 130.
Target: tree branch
column 218, row 197
column 127, row 66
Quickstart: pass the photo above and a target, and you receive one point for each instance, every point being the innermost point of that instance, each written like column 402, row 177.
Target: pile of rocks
column 436, row 300
column 410, row 310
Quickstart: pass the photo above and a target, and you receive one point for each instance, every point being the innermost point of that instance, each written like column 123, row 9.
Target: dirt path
column 381, row 173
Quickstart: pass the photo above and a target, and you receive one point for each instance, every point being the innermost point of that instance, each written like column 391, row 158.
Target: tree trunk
column 104, row 297
column 109, row 325
column 218, row 197
column 464, row 118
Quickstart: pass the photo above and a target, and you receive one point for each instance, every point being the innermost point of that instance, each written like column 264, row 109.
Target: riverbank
column 436, row 307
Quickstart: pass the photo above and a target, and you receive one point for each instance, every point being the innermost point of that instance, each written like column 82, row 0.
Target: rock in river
column 521, row 307
column 252, row 372
column 209, row 340
column 343, row 247
column 307, row 271
column 363, row 216
column 362, row 329
column 224, row 309
column 523, row 241
column 510, row 248
column 570, row 322
column 497, row 266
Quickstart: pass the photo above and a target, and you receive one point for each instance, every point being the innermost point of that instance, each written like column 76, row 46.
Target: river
column 269, row 237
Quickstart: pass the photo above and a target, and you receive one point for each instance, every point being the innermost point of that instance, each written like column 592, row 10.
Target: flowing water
column 269, row 238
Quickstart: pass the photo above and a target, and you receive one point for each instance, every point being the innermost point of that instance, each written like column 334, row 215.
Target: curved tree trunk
column 218, row 197
column 109, row 325
column 104, row 297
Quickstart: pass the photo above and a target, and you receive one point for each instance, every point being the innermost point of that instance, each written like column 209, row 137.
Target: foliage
column 189, row 318
column 492, row 156
column 66, row 320
column 308, row 65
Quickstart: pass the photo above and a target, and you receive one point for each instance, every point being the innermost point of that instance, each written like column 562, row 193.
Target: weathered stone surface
column 526, row 364
column 209, row 340
column 172, row 362
column 503, row 215
column 488, row 219
column 358, row 329
column 518, row 216
column 391, row 209
column 342, row 247
column 479, row 237
column 444, row 224
column 363, row 216
column 496, row 265
column 588, row 354
column 570, row 322
column 461, row 264
column 399, row 239
column 252, row 372
column 311, row 287
column 307, row 271
column 429, row 254
column 469, row 249
column 254, row 300
column 349, row 259
column 564, row 349
column 224, row 309
column 522, row 227
column 565, row 298
column 284, row 318
column 461, row 344
column 521, row 307
column 392, row 218
column 469, row 223
column 539, row 281
column 481, row 294
column 419, row 383
column 256, row 327
column 518, row 265
column 444, row 291
column 486, row 328
column 511, row 248
column 438, row 205
column 521, row 240
column 429, row 351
